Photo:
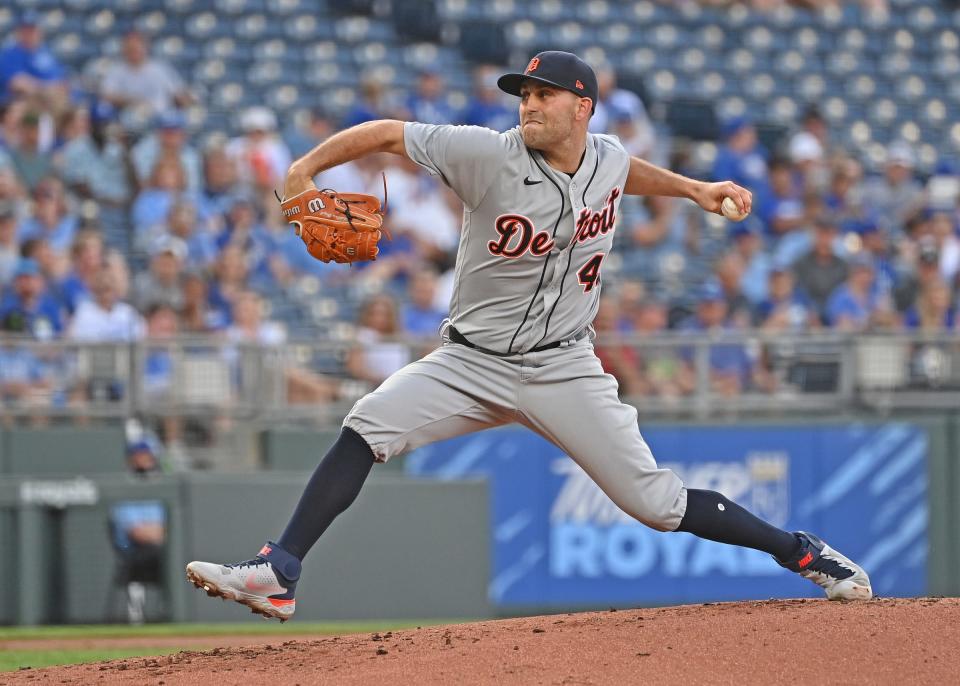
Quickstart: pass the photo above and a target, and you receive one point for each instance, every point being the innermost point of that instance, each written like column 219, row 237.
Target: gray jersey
column 533, row 239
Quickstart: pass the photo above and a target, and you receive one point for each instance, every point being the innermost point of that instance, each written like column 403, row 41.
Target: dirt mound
column 882, row 641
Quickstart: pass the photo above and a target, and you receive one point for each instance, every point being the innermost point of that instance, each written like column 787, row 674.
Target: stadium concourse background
column 172, row 363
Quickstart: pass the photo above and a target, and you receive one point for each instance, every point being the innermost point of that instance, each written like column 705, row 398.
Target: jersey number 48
column 589, row 273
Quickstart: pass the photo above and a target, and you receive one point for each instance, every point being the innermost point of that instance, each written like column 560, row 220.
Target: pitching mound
column 784, row 641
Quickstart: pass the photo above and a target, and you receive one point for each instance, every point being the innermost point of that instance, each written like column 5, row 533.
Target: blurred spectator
column 29, row 68
column 748, row 246
column 807, row 156
column 731, row 368
column 897, row 194
column 74, row 123
column 247, row 324
column 25, row 381
column 623, row 110
column 197, row 315
column 29, row 159
column 260, row 155
column 116, row 265
column 487, row 106
column 665, row 371
column 27, row 308
column 219, row 183
column 852, row 304
column 842, row 197
column 376, row 356
column 874, row 245
column 420, row 316
column 302, row 385
column 785, row 309
column 96, row 165
column 163, row 325
column 158, row 368
column 140, row 80
column 618, row 359
column 743, row 160
column 87, row 258
column 52, row 265
column 50, row 220
column 9, row 245
column 926, row 269
column 729, row 273
column 183, row 224
column 426, row 213
column 785, row 210
column 138, row 532
column 161, row 283
column 933, row 311
column 820, row 271
column 166, row 187
column 230, row 280
column 427, row 103
column 104, row 318
column 372, row 103
column 168, row 140
column 812, row 124
column 943, row 227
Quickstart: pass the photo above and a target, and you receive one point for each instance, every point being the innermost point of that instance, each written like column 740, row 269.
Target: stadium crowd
column 115, row 232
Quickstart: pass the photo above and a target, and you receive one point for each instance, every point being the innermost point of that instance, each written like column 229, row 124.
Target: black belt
column 458, row 337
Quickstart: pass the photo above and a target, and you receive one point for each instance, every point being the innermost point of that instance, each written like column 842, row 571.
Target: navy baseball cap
column 556, row 68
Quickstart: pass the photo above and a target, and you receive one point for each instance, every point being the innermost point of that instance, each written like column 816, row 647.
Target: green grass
column 218, row 629
column 36, row 658
column 11, row 660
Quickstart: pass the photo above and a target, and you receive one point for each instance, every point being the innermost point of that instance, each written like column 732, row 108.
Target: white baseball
column 731, row 211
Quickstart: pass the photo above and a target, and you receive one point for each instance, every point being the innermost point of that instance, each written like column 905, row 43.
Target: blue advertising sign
column 557, row 540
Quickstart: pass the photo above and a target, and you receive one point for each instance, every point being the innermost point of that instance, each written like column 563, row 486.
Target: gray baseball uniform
column 527, row 274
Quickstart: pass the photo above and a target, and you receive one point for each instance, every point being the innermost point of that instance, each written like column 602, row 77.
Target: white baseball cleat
column 255, row 583
column 837, row 574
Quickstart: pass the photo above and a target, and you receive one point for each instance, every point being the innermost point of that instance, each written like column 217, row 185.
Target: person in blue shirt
column 486, row 106
column 932, row 312
column 372, row 103
column 27, row 308
column 731, row 368
column 852, row 303
column 428, row 104
column 51, row 218
column 743, row 160
column 28, row 67
column 785, row 308
column 420, row 316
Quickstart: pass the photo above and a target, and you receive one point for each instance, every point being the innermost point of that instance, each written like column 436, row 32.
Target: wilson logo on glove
column 338, row 227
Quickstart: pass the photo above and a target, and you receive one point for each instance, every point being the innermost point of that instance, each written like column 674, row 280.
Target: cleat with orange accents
column 835, row 573
column 266, row 584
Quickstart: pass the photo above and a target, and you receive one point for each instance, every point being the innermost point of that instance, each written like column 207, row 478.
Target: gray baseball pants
column 562, row 394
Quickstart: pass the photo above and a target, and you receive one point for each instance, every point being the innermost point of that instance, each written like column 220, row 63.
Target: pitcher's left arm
column 644, row 178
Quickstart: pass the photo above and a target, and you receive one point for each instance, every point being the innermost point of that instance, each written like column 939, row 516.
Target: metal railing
column 679, row 375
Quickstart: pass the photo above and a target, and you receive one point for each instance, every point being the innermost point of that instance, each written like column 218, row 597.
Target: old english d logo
column 534, row 63
column 315, row 205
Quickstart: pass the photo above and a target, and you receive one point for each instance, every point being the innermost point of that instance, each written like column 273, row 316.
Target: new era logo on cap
column 579, row 84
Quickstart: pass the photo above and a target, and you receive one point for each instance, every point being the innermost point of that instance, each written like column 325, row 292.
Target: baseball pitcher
column 540, row 205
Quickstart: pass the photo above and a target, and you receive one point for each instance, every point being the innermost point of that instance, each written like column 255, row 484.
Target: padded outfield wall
column 494, row 523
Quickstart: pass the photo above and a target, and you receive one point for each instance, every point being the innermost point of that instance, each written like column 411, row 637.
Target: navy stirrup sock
column 333, row 487
column 711, row 515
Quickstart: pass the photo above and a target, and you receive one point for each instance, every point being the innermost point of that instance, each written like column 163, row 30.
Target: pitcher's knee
column 659, row 513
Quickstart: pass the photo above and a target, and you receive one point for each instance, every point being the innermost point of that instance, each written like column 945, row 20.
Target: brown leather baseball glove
column 338, row 227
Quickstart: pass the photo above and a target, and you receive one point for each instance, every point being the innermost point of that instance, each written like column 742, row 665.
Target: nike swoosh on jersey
column 530, row 182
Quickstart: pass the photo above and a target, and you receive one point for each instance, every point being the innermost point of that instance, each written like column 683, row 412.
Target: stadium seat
column 692, row 118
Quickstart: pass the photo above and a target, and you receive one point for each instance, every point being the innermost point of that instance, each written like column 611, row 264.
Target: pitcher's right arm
column 383, row 135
